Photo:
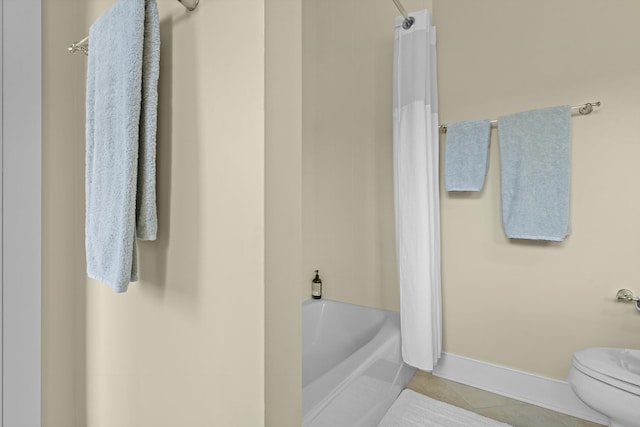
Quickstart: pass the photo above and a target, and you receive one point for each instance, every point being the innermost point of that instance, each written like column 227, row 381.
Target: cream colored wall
column 348, row 222
column 63, row 276
column 523, row 304
column 283, row 213
column 185, row 345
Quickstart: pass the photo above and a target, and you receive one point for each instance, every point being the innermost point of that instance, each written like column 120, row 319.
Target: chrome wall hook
column 625, row 295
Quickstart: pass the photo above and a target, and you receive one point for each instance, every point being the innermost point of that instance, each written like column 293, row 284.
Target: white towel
column 121, row 123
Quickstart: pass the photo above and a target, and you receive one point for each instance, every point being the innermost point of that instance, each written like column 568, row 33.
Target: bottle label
column 316, row 289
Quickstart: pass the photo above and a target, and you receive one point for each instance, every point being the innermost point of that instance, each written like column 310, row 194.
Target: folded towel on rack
column 535, row 173
column 146, row 210
column 121, row 121
column 466, row 155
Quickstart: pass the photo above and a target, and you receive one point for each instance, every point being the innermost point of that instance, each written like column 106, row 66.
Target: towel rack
column 83, row 45
column 583, row 109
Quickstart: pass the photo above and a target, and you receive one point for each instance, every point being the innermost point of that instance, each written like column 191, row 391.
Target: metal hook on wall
column 626, row 295
column 83, row 45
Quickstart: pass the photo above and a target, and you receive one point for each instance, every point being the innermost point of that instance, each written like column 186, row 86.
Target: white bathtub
column 352, row 369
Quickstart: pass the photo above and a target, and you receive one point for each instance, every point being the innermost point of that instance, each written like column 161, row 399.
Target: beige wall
column 348, row 229
column 63, row 290
column 283, row 213
column 525, row 304
column 185, row 345
column 522, row 304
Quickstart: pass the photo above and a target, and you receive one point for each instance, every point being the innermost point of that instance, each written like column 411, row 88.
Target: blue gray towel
column 121, row 107
column 535, row 172
column 466, row 155
column 146, row 211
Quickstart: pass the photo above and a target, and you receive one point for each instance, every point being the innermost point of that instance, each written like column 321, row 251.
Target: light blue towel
column 535, row 173
column 146, row 211
column 121, row 123
column 466, row 155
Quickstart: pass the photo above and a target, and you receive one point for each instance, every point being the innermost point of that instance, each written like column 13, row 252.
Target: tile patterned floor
column 494, row 406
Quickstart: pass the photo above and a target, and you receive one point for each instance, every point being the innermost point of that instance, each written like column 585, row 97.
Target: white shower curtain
column 416, row 187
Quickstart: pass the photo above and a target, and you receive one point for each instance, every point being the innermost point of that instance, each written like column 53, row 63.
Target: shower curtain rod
column 408, row 20
column 83, row 45
column 583, row 109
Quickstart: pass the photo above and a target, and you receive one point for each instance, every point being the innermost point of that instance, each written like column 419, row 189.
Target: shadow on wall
column 169, row 264
column 63, row 254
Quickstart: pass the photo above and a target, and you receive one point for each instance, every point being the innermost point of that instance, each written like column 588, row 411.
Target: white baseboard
column 530, row 388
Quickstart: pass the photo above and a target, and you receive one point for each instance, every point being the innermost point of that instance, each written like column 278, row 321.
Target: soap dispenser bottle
column 316, row 287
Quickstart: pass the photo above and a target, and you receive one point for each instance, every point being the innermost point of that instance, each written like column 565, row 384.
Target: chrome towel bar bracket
column 83, row 45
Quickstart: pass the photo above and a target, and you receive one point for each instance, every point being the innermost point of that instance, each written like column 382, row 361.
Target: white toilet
column 608, row 380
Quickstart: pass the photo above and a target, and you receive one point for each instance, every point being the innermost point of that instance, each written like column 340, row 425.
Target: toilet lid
column 618, row 366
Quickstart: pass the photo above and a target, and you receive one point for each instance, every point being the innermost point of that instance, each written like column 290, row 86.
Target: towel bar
column 83, row 45
column 583, row 109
